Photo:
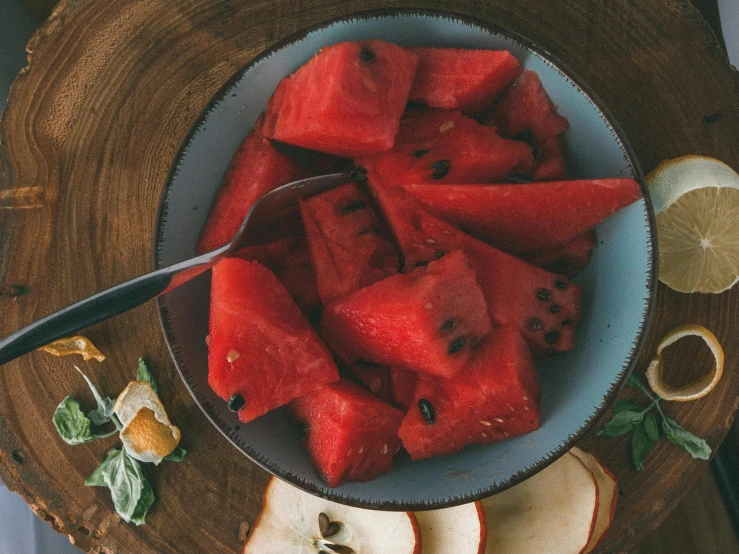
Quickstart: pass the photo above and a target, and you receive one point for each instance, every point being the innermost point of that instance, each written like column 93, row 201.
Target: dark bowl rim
column 628, row 366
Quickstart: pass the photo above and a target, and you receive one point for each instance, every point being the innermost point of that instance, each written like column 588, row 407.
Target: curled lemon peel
column 74, row 345
column 701, row 386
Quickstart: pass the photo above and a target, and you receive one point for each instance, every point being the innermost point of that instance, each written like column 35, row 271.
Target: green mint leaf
column 696, row 446
column 621, row 423
column 629, row 405
column 125, row 478
column 96, row 418
column 71, row 423
column 177, row 455
column 650, row 427
column 144, row 503
column 145, row 374
column 634, row 381
column 641, row 442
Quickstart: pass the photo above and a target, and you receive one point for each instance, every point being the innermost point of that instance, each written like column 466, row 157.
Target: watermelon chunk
column 544, row 306
column 549, row 162
column 568, row 259
column 441, row 146
column 262, row 351
column 402, row 385
column 457, row 79
column 289, row 259
column 349, row 244
column 527, row 108
column 347, row 100
column 351, row 434
column 495, row 397
column 427, row 320
column 375, row 378
column 531, row 216
column 256, row 169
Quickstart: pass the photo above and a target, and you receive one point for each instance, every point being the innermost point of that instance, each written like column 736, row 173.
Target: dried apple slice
column 295, row 521
column 553, row 511
column 460, row 529
column 607, row 495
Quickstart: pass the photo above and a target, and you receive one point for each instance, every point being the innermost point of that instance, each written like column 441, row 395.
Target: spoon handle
column 101, row 306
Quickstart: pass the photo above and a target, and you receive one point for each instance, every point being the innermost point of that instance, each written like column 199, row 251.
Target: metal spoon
column 129, row 294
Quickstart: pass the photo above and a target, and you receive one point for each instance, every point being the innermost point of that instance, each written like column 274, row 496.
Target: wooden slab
column 86, row 142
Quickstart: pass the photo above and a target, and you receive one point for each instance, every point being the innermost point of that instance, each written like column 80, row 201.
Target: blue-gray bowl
column 618, row 285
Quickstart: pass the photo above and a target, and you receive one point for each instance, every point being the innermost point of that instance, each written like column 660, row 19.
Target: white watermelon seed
column 207, row 339
column 498, row 419
column 384, row 449
column 484, row 435
column 485, row 423
column 428, row 305
column 232, row 356
column 446, row 126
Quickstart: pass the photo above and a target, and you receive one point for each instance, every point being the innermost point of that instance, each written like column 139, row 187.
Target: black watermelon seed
column 366, row 54
column 551, row 337
column 354, row 206
column 457, row 344
column 358, row 175
column 427, row 411
column 419, row 153
column 560, row 284
column 332, row 529
column 236, row 402
column 441, row 168
column 554, row 308
column 448, row 325
column 543, row 294
column 534, row 324
column 567, row 321
column 420, row 264
column 519, row 179
column 439, row 254
column 525, row 136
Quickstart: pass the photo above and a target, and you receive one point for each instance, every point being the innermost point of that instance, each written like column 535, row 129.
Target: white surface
column 729, row 12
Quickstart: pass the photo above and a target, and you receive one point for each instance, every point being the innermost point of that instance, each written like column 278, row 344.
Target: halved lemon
column 696, row 202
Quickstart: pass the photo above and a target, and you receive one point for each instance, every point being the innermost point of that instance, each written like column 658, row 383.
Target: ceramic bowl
column 577, row 387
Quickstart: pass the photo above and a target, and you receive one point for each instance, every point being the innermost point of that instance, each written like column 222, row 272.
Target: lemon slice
column 696, row 202
column 147, row 433
column 698, row 388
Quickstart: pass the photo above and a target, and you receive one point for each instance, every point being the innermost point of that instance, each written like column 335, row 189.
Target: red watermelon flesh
column 549, row 162
column 349, row 245
column 544, row 306
column 261, row 346
column 402, row 384
column 526, row 107
column 375, row 378
column 256, row 169
column 458, row 79
column 495, row 397
column 530, row 216
column 568, row 259
column 427, row 320
column 289, row 259
column 441, row 146
column 347, row 100
column 351, row 434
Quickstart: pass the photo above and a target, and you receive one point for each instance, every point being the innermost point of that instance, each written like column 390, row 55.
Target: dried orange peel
column 147, row 433
column 698, row 388
column 74, row 345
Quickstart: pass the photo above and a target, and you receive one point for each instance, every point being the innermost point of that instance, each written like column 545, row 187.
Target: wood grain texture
column 91, row 128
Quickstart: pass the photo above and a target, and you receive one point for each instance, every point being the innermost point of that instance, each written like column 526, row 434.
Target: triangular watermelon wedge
column 441, row 146
column 256, row 169
column 530, row 216
column 461, row 79
column 347, row 100
column 495, row 397
column 349, row 245
column 545, row 307
column 262, row 351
